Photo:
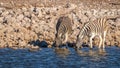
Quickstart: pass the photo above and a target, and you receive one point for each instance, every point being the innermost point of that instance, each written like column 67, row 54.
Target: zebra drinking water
column 63, row 29
column 98, row 28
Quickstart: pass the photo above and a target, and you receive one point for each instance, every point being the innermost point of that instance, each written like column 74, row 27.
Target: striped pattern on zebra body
column 63, row 28
column 98, row 28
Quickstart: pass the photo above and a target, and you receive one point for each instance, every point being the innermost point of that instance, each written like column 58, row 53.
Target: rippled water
column 60, row 58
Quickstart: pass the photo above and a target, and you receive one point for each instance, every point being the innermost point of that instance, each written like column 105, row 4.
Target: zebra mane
column 59, row 23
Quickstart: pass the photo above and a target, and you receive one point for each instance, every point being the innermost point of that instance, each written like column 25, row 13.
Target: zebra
column 91, row 29
column 63, row 29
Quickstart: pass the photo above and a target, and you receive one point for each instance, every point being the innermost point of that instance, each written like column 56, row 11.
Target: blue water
column 60, row 58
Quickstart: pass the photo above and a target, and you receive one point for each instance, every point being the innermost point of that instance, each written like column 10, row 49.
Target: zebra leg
column 91, row 46
column 104, row 39
column 78, row 43
column 66, row 45
column 66, row 38
column 100, row 41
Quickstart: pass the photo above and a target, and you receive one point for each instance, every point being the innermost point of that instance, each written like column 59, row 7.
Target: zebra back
column 97, row 26
column 63, row 25
column 63, row 28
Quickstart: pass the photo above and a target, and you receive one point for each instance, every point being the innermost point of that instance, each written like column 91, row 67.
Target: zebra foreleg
column 66, row 38
column 91, row 46
column 104, row 39
column 101, row 40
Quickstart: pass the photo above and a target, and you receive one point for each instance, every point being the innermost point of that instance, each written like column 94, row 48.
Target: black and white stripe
column 97, row 27
column 63, row 28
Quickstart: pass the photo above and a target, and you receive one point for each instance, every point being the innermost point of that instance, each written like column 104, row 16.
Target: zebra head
column 79, row 42
column 59, row 40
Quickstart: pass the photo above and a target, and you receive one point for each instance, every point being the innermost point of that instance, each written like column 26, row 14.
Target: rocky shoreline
column 27, row 27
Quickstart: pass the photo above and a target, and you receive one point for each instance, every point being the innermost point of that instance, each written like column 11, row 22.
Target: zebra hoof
column 77, row 48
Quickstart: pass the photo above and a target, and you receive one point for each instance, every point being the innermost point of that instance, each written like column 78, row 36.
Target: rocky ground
column 24, row 24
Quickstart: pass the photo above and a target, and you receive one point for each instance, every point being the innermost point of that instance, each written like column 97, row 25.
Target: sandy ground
column 52, row 3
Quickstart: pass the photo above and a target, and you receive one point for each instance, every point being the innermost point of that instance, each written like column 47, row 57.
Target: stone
column 20, row 17
column 5, row 13
column 1, row 19
column 27, row 14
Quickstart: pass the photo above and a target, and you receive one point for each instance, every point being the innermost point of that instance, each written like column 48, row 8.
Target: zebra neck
column 81, row 35
column 83, row 32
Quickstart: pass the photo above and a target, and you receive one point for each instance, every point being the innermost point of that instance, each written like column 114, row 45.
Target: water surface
column 60, row 58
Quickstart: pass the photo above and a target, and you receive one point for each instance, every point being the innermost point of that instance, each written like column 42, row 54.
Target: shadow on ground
column 39, row 43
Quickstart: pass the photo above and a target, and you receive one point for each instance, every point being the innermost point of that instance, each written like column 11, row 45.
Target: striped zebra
column 98, row 28
column 63, row 28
